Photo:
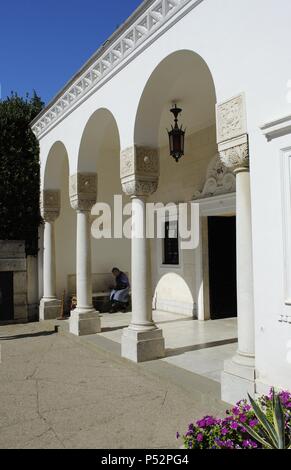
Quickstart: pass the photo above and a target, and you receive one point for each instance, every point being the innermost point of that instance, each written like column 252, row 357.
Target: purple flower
column 249, row 444
column 236, row 411
column 234, row 425
column 201, row 423
column 210, row 421
column 246, row 443
column 199, row 437
column 229, row 444
column 253, row 423
column 224, row 431
column 247, row 408
column 242, row 418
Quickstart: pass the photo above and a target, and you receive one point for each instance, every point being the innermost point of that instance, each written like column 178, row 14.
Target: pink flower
column 199, row 437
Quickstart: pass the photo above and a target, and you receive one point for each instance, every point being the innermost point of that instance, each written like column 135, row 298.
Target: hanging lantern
column 176, row 136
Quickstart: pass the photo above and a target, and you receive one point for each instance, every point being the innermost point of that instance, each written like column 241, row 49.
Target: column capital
column 234, row 154
column 139, row 170
column 232, row 137
column 50, row 204
column 83, row 191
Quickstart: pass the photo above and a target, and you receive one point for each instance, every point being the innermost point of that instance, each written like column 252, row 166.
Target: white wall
column 246, row 44
column 179, row 182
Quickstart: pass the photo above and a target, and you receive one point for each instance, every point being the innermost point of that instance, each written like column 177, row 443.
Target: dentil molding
column 50, row 204
column 110, row 57
column 83, row 191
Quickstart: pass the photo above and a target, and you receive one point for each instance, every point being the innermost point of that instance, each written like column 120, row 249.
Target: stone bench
column 100, row 289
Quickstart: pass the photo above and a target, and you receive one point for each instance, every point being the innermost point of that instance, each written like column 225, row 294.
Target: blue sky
column 43, row 43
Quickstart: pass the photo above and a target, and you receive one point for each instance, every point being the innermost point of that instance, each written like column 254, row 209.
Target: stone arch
column 57, row 160
column 182, row 77
column 100, row 133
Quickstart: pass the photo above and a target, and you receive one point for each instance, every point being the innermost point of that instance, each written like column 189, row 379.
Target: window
column 171, row 243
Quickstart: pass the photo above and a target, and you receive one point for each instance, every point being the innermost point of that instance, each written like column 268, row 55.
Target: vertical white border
column 286, row 219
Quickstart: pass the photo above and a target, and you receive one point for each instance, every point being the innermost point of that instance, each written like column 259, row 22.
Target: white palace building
column 227, row 65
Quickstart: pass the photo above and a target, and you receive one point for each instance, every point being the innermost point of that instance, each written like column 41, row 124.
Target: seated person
column 119, row 295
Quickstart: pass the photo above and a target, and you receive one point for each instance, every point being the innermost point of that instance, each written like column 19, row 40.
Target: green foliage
column 264, row 423
column 272, row 424
column 19, row 171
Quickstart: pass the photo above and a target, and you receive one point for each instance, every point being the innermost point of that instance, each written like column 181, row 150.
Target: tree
column 19, row 171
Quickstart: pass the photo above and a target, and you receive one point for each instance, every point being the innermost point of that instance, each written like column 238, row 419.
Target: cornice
column 120, row 48
column 277, row 127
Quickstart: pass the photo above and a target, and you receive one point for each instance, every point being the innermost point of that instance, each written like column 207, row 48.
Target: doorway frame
column 222, row 205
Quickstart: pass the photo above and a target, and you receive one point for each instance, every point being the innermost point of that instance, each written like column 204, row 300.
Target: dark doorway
column 6, row 296
column 222, row 267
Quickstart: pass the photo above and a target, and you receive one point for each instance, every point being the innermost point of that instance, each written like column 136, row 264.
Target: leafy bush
column 245, row 426
column 19, row 171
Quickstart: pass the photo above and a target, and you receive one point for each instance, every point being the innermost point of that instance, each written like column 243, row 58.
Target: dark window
column 6, row 296
column 171, row 243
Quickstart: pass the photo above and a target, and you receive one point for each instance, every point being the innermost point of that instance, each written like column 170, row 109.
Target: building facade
column 227, row 65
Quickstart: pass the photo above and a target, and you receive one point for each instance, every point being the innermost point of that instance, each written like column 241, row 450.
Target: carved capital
column 50, row 204
column 83, row 191
column 139, row 170
column 234, row 154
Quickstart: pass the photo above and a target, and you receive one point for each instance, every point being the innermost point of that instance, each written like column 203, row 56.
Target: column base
column 141, row 346
column 238, row 379
column 84, row 322
column 49, row 309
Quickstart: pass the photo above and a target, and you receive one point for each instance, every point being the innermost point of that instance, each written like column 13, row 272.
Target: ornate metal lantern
column 176, row 136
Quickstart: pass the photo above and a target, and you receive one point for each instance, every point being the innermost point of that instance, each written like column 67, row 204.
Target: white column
column 141, row 269
column 84, row 275
column 50, row 306
column 245, row 300
column 49, row 261
column 238, row 377
column 84, row 319
column 142, row 340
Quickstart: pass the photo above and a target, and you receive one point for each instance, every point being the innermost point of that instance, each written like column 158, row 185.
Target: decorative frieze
column 50, row 204
column 219, row 180
column 83, row 191
column 139, row 171
column 231, row 118
column 111, row 56
column 232, row 137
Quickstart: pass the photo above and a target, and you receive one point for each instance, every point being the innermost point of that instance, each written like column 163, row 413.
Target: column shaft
column 141, row 268
column 83, row 194
column 84, row 275
column 49, row 262
column 245, row 300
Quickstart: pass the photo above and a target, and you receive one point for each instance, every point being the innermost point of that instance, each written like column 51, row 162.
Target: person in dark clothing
column 119, row 295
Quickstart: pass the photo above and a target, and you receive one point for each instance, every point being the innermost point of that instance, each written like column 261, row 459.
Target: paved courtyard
column 63, row 392
column 197, row 346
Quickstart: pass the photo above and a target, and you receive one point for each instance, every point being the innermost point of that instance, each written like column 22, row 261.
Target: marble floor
column 196, row 346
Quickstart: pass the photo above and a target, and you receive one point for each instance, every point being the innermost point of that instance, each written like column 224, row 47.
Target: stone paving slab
column 59, row 391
